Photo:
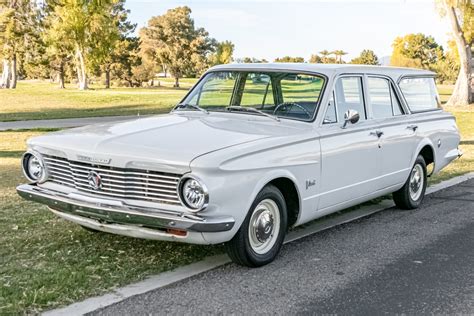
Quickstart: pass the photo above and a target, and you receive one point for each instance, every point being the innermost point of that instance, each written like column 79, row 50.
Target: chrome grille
column 116, row 182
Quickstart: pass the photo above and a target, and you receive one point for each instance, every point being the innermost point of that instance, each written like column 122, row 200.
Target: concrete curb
column 179, row 274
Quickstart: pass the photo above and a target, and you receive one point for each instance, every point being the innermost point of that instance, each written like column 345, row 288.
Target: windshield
column 282, row 94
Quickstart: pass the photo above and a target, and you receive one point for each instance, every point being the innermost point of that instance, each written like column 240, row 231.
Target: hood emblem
column 94, row 180
column 93, row 160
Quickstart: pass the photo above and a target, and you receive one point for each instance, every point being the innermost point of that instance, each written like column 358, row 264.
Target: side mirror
column 351, row 116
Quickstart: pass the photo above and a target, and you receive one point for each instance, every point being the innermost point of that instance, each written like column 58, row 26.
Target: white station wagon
column 251, row 150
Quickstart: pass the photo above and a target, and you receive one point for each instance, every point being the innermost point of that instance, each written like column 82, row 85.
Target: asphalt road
column 393, row 262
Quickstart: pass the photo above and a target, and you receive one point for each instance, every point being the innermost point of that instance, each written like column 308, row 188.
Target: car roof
column 327, row 69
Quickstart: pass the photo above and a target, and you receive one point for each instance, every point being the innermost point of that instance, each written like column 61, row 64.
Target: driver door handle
column 377, row 133
column 412, row 127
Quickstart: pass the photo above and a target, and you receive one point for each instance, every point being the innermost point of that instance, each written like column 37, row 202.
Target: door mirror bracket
column 351, row 116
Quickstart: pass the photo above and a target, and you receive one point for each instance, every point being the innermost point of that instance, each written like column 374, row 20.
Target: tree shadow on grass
column 59, row 113
column 11, row 153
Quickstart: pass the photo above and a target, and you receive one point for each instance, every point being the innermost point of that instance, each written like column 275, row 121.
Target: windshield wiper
column 254, row 110
column 193, row 106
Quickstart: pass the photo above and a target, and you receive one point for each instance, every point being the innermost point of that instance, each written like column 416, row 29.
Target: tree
column 86, row 26
column 366, row 57
column 173, row 41
column 17, row 20
column 117, row 30
column 58, row 51
column 325, row 55
column 447, row 67
column 339, row 54
column 415, row 50
column 251, row 60
column 289, row 59
column 223, row 54
column 461, row 16
column 126, row 57
column 315, row 59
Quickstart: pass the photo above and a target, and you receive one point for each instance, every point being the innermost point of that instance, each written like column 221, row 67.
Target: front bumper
column 105, row 213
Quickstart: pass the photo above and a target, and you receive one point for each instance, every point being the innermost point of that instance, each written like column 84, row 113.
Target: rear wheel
column 412, row 193
column 261, row 235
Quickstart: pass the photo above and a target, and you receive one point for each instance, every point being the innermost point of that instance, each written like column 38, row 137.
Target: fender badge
column 310, row 183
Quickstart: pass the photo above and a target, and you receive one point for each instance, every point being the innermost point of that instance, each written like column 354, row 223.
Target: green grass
column 444, row 92
column 37, row 100
column 465, row 122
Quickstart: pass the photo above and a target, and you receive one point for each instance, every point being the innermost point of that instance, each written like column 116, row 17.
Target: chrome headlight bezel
column 205, row 200
column 25, row 159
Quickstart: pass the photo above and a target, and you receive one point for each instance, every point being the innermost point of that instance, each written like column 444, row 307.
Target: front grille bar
column 122, row 183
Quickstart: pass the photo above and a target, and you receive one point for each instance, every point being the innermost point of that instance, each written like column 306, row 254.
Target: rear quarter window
column 420, row 93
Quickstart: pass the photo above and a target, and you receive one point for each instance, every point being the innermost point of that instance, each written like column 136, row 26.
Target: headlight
column 33, row 167
column 193, row 193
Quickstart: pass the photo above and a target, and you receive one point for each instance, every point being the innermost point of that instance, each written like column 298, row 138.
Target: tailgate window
column 420, row 93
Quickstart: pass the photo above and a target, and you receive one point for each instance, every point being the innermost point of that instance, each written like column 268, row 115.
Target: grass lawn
column 35, row 100
column 444, row 92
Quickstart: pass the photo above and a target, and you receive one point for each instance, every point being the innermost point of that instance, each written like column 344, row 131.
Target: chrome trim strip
column 139, row 216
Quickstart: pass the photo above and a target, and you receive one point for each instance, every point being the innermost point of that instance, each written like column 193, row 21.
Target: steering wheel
column 291, row 104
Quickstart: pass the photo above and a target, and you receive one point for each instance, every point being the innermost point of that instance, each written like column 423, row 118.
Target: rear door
column 398, row 136
column 350, row 156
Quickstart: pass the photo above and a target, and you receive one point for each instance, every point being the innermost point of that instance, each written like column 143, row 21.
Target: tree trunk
column 462, row 93
column 165, row 70
column 5, row 74
column 61, row 76
column 107, row 77
column 81, row 70
column 14, row 73
column 176, row 82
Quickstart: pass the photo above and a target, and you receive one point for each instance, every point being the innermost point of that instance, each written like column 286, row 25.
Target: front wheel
column 412, row 193
column 261, row 235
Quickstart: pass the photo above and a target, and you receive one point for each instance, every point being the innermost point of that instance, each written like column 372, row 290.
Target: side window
column 350, row 96
column 420, row 93
column 397, row 107
column 380, row 97
column 330, row 116
column 216, row 90
column 257, row 91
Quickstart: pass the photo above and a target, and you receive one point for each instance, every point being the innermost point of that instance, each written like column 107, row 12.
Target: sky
column 275, row 28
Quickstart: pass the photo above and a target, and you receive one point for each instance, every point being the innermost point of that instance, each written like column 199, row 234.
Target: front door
column 350, row 155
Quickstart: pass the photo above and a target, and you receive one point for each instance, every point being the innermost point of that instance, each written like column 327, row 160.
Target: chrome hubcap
column 416, row 182
column 264, row 226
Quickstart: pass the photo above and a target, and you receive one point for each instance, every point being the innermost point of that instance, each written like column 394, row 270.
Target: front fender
column 235, row 177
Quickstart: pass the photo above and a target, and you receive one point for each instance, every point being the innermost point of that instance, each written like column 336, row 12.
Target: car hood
column 173, row 139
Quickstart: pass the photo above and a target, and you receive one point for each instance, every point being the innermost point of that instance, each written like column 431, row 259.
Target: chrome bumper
column 123, row 214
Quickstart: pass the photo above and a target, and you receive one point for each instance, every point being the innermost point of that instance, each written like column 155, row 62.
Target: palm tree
column 325, row 53
column 339, row 54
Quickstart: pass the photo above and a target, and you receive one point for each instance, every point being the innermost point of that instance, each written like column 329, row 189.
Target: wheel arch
column 287, row 184
column 426, row 150
column 292, row 198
